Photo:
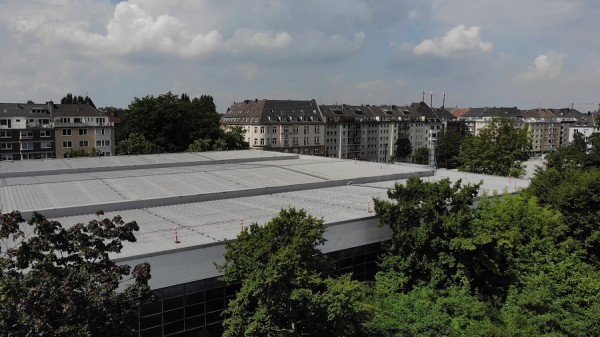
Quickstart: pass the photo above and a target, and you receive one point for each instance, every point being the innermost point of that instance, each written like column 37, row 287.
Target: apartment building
column 363, row 132
column 26, row 131
column 81, row 126
column 38, row 131
column 548, row 128
column 279, row 125
column 586, row 126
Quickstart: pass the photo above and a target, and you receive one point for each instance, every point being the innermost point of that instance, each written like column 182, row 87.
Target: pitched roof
column 23, row 110
column 76, row 110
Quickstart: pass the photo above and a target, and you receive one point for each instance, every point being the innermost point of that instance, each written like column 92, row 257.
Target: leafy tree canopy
column 447, row 149
column 57, row 281
column 136, row 143
column 421, row 156
column 287, row 288
column 173, row 122
column 403, row 147
column 74, row 99
column 498, row 149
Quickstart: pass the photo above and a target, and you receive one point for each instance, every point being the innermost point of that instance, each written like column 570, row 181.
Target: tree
column 171, row 122
column 73, row 153
column 137, row 144
column 57, row 281
column 447, row 149
column 200, row 145
column 498, row 149
column 72, row 99
column 287, row 288
column 432, row 230
column 403, row 147
column 235, row 139
column 422, row 156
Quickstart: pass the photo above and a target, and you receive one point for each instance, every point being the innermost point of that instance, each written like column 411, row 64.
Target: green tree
column 576, row 195
column 498, row 149
column 136, row 143
column 287, row 288
column 57, row 281
column 235, row 138
column 171, row 122
column 425, row 311
column 200, row 145
column 433, row 239
column 421, row 156
column 71, row 99
column 403, row 147
column 447, row 149
column 73, row 153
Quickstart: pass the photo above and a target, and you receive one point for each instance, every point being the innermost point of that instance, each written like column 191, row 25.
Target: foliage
column 514, row 266
column 447, row 149
column 136, row 143
column 498, row 149
column 425, row 311
column 172, row 123
column 403, row 147
column 287, row 289
column 421, row 156
column 433, row 241
column 558, row 295
column 576, row 195
column 232, row 140
column 61, row 282
column 73, row 153
column 72, row 99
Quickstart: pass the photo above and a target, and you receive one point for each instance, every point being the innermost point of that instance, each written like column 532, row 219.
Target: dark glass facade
column 195, row 308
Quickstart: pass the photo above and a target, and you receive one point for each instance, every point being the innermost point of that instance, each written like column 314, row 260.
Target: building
column 26, row 131
column 82, row 127
column 206, row 198
column 585, row 127
column 40, row 131
column 279, row 125
column 362, row 132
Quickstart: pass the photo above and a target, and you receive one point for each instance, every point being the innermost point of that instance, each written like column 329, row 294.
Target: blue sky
column 525, row 53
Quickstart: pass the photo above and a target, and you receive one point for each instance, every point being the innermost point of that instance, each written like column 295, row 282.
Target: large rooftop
column 208, row 197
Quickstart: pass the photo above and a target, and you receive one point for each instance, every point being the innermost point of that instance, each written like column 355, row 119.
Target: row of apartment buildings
column 368, row 132
column 38, row 131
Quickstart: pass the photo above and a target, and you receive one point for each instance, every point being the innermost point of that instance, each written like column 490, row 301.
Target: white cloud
column 546, row 66
column 458, row 41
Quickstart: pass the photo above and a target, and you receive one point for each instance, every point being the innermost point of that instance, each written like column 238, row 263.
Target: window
column 306, row 129
column 67, row 144
column 103, row 142
column 83, row 143
column 26, row 134
column 27, row 146
column 5, row 122
column 317, row 140
column 274, row 129
column 5, row 134
column 82, row 132
column 255, row 141
column 46, row 145
column 295, row 129
column 317, row 129
column 102, row 132
column 274, row 141
column 45, row 133
column 262, row 129
column 6, row 146
column 76, row 120
column 256, row 129
column 66, row 132
column 65, row 120
column 262, row 141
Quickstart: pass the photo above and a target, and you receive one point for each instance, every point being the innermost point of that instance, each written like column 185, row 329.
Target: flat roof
column 207, row 203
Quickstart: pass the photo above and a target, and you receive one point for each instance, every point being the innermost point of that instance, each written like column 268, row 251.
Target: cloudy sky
column 524, row 53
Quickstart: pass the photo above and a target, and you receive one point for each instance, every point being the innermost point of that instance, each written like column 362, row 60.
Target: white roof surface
column 336, row 190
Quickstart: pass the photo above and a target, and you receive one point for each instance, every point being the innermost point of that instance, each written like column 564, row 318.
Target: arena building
column 188, row 204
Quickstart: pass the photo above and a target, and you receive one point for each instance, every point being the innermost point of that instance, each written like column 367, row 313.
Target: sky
column 523, row 53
